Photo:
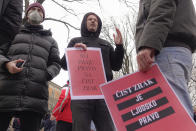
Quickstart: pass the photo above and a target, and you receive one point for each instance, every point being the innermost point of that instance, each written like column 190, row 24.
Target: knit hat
column 36, row 5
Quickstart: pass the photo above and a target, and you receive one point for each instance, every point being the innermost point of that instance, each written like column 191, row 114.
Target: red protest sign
column 145, row 102
column 86, row 73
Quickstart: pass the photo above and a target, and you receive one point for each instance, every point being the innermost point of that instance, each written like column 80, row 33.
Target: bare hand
column 80, row 45
column 52, row 118
column 118, row 39
column 145, row 58
column 12, row 68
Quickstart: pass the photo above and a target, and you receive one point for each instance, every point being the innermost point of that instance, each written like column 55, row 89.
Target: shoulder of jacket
column 76, row 39
column 65, row 88
column 50, row 39
column 45, row 32
column 104, row 42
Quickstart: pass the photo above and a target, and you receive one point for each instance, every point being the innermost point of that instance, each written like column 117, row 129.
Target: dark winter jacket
column 28, row 90
column 10, row 19
column 112, row 59
column 163, row 23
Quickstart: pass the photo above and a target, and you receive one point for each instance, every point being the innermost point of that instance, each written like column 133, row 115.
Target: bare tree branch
column 128, row 31
column 66, row 8
column 71, row 11
column 130, row 4
column 26, row 5
column 40, row 1
column 65, row 23
column 73, row 0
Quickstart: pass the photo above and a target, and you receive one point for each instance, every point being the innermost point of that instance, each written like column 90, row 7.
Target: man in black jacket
column 32, row 60
column 83, row 111
column 166, row 35
column 10, row 20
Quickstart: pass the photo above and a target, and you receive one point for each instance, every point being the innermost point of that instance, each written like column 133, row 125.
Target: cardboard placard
column 86, row 72
column 145, row 102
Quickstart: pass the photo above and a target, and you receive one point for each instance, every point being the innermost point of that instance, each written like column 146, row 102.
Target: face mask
column 35, row 18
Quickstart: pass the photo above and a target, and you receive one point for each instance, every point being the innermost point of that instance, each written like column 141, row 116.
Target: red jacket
column 62, row 110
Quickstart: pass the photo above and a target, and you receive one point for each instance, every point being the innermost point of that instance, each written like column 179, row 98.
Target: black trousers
column 30, row 121
column 63, row 126
column 85, row 111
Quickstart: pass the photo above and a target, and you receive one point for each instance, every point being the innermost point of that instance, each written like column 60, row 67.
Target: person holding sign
column 83, row 111
column 166, row 35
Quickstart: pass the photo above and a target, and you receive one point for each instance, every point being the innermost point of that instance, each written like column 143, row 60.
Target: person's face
column 35, row 16
column 92, row 23
column 36, row 9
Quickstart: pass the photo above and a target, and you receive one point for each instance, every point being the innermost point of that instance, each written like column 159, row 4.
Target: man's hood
column 84, row 30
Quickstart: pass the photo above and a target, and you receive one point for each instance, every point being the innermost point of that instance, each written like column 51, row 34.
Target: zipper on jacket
column 28, row 60
column 29, row 55
column 27, row 71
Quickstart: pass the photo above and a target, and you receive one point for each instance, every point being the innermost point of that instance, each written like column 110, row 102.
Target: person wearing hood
column 85, row 111
column 32, row 60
